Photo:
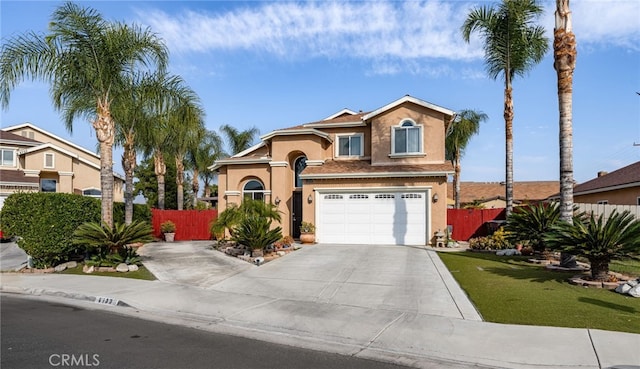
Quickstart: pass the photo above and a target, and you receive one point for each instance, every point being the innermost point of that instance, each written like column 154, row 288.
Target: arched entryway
column 296, row 209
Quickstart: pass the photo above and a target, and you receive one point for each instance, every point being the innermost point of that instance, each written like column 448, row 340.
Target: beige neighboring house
column 377, row 177
column 34, row 160
column 489, row 195
column 620, row 187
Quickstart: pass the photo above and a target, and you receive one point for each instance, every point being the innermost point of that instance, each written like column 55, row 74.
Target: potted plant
column 168, row 228
column 307, row 232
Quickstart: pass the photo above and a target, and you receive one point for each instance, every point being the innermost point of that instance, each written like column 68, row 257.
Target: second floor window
column 48, row 160
column 350, row 145
column 407, row 138
column 8, row 158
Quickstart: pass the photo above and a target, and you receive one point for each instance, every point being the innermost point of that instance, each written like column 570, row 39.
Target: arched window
column 253, row 190
column 406, row 138
column 299, row 166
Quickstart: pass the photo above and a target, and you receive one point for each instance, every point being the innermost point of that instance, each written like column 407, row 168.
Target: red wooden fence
column 190, row 224
column 468, row 223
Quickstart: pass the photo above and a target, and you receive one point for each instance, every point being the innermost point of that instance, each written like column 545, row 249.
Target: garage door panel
column 390, row 217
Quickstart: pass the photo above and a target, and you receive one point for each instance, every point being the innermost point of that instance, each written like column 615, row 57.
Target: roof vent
column 602, row 173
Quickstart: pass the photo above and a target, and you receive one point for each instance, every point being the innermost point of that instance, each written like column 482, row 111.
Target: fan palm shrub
column 255, row 232
column 234, row 214
column 598, row 239
column 96, row 237
column 530, row 223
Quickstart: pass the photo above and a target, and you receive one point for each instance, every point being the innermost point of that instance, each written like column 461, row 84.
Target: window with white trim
column 48, row 185
column 350, row 145
column 92, row 192
column 406, row 138
column 48, row 160
column 253, row 190
column 8, row 158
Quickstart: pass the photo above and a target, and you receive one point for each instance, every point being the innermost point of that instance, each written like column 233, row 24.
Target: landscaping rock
column 623, row 288
column 634, row 291
column 297, row 247
column 122, row 267
column 507, row 252
column 132, row 267
column 71, row 264
column 259, row 260
column 60, row 267
column 281, row 253
column 88, row 270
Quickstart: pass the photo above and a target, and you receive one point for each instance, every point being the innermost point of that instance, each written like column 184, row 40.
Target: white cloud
column 395, row 36
column 402, row 30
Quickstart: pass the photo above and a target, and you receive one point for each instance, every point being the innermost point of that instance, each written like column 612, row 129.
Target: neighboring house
column 34, row 160
column 620, row 187
column 361, row 178
column 492, row 194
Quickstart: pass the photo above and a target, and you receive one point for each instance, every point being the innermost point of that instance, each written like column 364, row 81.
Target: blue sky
column 277, row 64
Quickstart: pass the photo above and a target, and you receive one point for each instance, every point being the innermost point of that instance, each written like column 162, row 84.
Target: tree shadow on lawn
column 608, row 305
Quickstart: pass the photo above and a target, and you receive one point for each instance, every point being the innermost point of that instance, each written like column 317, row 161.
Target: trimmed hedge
column 45, row 223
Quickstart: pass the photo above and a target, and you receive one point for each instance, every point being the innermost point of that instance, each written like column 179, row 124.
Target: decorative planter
column 169, row 237
column 307, row 238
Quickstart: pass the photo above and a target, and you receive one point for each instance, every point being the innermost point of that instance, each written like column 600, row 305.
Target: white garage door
column 380, row 218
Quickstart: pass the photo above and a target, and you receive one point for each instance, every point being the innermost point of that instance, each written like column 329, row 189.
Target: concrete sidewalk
column 380, row 330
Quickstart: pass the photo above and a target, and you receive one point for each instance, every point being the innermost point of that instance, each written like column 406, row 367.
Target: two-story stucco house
column 378, row 177
column 36, row 160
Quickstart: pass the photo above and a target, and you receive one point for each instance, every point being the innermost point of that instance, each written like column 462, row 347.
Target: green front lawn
column 511, row 290
column 141, row 273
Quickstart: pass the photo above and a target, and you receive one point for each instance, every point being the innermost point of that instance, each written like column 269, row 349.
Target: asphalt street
column 48, row 334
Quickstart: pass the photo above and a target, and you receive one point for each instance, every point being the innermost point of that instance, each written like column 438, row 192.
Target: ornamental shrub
column 45, row 222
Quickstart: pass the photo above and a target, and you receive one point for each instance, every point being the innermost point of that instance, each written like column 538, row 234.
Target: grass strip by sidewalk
column 508, row 289
column 141, row 273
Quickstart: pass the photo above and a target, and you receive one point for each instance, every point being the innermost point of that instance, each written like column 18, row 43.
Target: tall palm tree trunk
column 564, row 55
column 456, row 181
column 180, row 182
column 195, row 186
column 160, row 170
column 508, row 131
column 105, row 133
column 128, row 165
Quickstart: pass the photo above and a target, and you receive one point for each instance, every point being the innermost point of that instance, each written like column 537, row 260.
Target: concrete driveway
column 192, row 263
column 396, row 278
column 12, row 257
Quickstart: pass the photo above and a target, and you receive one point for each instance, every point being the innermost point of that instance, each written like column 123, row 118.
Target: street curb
column 63, row 294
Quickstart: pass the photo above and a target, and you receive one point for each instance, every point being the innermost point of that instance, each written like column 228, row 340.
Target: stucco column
column 65, row 184
column 281, row 190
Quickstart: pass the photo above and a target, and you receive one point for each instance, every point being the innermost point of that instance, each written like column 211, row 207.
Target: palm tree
column 201, row 157
column 239, row 140
column 187, row 129
column 84, row 58
column 564, row 55
column 513, row 45
column 598, row 240
column 166, row 106
column 465, row 125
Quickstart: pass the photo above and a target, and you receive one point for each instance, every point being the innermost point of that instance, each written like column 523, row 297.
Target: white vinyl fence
column 607, row 209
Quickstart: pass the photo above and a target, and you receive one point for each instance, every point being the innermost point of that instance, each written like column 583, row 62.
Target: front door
column 296, row 214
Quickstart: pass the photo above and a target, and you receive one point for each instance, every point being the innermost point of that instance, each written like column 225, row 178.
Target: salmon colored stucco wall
column 433, row 126
column 625, row 196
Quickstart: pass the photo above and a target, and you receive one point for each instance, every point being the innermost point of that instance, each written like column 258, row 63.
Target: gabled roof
column 341, row 113
column 363, row 169
column 296, row 131
column 9, row 138
column 411, row 99
column 487, row 191
column 47, row 133
column 625, row 177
